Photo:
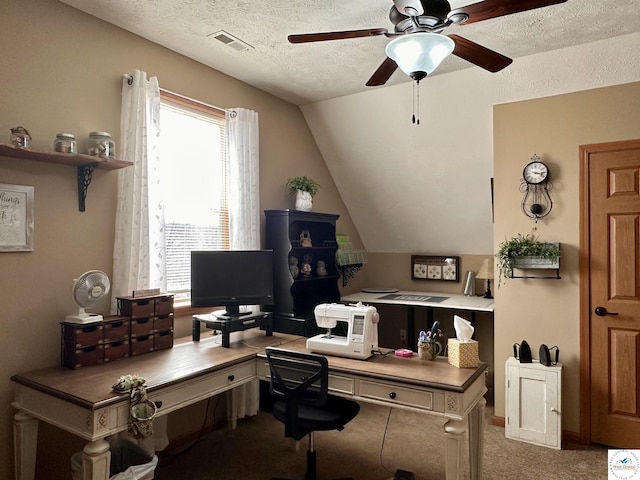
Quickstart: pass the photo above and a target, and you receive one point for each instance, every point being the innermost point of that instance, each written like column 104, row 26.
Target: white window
column 195, row 184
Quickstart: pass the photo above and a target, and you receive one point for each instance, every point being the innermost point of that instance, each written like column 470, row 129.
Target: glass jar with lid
column 65, row 143
column 20, row 137
column 101, row 145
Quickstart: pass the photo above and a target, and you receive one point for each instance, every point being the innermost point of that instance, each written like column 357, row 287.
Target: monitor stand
column 231, row 323
column 231, row 312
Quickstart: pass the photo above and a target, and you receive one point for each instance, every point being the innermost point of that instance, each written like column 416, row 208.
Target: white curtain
column 138, row 253
column 244, row 213
column 139, row 229
column 138, row 258
column 244, row 176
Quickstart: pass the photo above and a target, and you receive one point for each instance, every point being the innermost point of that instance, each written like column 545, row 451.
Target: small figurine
column 305, row 239
column 306, row 269
column 321, row 270
column 293, row 267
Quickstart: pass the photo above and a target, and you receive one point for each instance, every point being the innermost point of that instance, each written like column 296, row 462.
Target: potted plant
column 526, row 251
column 304, row 188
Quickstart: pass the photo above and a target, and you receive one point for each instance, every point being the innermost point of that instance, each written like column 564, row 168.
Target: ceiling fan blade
column 499, row 8
column 321, row 37
column 479, row 55
column 383, row 73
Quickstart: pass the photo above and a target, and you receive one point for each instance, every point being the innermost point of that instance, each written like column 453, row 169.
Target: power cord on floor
column 166, row 458
column 384, row 436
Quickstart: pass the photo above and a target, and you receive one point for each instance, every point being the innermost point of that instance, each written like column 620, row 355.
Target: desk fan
column 88, row 289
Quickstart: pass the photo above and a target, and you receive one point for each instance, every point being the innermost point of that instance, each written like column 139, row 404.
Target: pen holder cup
column 429, row 350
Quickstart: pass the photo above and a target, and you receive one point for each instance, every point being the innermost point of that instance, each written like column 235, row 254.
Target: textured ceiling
column 307, row 73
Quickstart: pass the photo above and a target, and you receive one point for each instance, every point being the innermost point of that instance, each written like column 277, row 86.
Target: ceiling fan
column 412, row 17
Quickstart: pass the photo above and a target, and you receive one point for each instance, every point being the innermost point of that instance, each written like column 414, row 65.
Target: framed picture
column 16, row 218
column 427, row 267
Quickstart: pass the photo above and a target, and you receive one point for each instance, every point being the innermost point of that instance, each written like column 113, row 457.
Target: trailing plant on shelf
column 304, row 188
column 523, row 246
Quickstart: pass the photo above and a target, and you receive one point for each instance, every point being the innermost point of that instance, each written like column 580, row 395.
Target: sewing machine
column 361, row 326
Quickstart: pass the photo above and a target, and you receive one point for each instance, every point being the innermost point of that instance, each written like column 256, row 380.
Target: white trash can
column 128, row 462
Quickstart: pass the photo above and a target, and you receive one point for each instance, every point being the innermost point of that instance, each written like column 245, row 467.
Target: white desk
column 427, row 300
column 81, row 401
column 455, row 301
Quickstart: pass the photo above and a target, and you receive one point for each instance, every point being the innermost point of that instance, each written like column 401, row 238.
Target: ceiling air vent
column 230, row 41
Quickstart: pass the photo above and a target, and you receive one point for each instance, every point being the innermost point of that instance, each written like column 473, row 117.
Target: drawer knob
column 231, row 378
column 392, row 395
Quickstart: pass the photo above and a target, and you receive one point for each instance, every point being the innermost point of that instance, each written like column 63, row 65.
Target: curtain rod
column 129, row 78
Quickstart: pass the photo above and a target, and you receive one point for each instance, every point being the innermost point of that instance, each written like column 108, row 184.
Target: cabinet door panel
column 533, row 401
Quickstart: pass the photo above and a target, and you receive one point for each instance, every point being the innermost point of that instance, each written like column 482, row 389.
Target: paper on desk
column 464, row 329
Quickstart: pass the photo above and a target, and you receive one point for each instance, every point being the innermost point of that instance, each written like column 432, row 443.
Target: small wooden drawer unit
column 132, row 307
column 116, row 350
column 116, row 329
column 162, row 340
column 78, row 357
column 143, row 324
column 163, row 323
column 151, row 322
column 82, row 335
column 82, row 344
column 141, row 327
column 163, row 305
column 142, row 344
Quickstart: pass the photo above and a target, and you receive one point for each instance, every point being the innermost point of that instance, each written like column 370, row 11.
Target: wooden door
column 611, row 172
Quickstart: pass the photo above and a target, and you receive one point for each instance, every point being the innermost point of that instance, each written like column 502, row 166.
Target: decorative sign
column 434, row 268
column 16, row 218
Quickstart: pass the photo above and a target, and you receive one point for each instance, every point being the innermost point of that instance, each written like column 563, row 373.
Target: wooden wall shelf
column 85, row 164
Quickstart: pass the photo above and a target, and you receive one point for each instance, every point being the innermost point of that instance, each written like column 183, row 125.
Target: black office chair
column 299, row 385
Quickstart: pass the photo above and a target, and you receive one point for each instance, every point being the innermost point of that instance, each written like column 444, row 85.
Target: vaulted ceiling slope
column 308, row 73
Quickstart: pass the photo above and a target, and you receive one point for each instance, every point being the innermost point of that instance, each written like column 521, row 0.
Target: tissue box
column 463, row 354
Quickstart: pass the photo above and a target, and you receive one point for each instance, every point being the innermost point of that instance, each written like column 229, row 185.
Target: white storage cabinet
column 533, row 403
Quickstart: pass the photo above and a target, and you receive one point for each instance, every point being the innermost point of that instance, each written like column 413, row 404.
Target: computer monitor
column 231, row 278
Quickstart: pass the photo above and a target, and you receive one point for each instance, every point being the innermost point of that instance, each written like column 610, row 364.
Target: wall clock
column 535, row 185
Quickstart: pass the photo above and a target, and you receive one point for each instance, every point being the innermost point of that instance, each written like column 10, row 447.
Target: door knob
column 601, row 312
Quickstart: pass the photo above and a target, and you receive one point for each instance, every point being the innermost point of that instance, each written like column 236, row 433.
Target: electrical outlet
column 403, row 334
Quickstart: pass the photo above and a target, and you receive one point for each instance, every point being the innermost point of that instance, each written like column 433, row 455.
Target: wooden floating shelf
column 74, row 159
column 85, row 164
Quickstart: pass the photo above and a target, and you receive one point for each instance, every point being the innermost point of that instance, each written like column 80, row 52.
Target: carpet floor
column 373, row 446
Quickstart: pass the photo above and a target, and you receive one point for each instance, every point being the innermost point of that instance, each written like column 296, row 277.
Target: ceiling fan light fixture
column 419, row 54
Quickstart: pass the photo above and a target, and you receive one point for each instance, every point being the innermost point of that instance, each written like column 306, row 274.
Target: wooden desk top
column 454, row 301
column 406, row 370
column 91, row 386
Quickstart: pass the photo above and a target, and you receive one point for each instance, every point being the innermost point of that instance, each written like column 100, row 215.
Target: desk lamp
column 486, row 273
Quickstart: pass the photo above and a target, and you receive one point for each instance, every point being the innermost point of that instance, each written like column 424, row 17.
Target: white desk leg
column 96, row 459
column 476, row 439
column 454, row 436
column 232, row 409
column 25, row 442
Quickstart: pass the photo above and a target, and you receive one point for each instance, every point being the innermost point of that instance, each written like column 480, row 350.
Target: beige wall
column 547, row 311
column 61, row 71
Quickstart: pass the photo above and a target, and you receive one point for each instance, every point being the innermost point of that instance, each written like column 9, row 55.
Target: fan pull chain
column 416, row 103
